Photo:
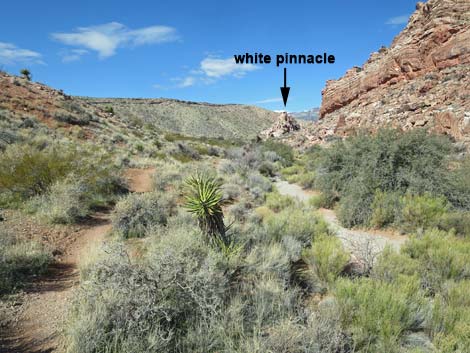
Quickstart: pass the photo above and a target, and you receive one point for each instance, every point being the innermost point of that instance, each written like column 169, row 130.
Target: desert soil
column 39, row 324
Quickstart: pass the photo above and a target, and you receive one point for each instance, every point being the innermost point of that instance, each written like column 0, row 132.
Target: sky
column 184, row 49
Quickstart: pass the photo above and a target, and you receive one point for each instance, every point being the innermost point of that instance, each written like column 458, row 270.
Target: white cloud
column 398, row 20
column 73, row 55
column 186, row 82
column 11, row 54
column 216, row 68
column 269, row 100
column 105, row 39
column 212, row 69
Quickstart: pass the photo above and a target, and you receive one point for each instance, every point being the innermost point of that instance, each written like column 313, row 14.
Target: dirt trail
column 39, row 326
column 356, row 240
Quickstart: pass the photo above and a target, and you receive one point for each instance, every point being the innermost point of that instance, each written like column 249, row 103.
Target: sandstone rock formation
column 285, row 124
column 422, row 80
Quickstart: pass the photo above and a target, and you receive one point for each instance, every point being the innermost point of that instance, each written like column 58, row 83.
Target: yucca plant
column 204, row 200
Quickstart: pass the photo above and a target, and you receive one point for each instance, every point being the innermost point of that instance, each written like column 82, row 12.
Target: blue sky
column 184, row 49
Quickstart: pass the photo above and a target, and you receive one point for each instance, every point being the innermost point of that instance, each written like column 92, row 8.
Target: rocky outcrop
column 422, row 80
column 284, row 125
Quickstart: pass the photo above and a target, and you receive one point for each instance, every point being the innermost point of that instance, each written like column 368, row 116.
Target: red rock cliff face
column 423, row 79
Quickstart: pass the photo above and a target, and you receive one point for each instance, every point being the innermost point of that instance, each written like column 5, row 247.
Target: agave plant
column 204, row 200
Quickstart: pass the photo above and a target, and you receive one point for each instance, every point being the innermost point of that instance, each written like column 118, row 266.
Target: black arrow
column 285, row 90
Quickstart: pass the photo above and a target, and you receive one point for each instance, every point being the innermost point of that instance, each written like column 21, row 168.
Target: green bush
column 457, row 221
column 297, row 223
column 421, row 212
column 450, row 322
column 277, row 202
column 28, row 170
column 20, row 259
column 351, row 171
column 135, row 214
column 378, row 315
column 440, row 257
column 386, row 209
column 282, row 150
column 326, row 258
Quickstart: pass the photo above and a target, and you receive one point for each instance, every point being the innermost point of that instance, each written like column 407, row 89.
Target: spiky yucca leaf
column 204, row 200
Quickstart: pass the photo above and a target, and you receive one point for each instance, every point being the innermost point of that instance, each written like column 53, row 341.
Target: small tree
column 26, row 74
column 204, row 200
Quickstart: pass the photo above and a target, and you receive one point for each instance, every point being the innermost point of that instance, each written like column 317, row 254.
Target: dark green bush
column 414, row 162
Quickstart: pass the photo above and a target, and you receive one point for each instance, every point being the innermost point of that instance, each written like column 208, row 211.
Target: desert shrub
column 184, row 153
column 351, row 171
column 306, row 180
column 451, row 317
column 268, row 169
column 28, row 170
column 257, row 184
column 268, row 260
column 421, row 212
column 73, row 119
column 458, row 185
column 386, row 209
column 317, row 201
column 325, row 329
column 297, row 223
column 230, row 191
column 282, row 150
column 277, row 202
column 354, row 208
column 135, row 214
column 226, row 167
column 66, row 202
column 457, row 221
column 240, row 210
column 20, row 259
column 292, row 173
column 148, row 306
column 440, row 257
column 167, row 176
column 391, row 265
column 377, row 314
column 109, row 109
column 326, row 258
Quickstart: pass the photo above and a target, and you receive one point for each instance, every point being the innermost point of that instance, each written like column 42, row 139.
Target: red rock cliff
column 423, row 79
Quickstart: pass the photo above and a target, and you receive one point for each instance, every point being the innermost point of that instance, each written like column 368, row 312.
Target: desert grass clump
column 136, row 214
column 204, row 199
column 20, row 259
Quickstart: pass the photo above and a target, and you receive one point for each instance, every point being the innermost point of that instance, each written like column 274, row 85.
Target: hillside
column 191, row 118
column 422, row 80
